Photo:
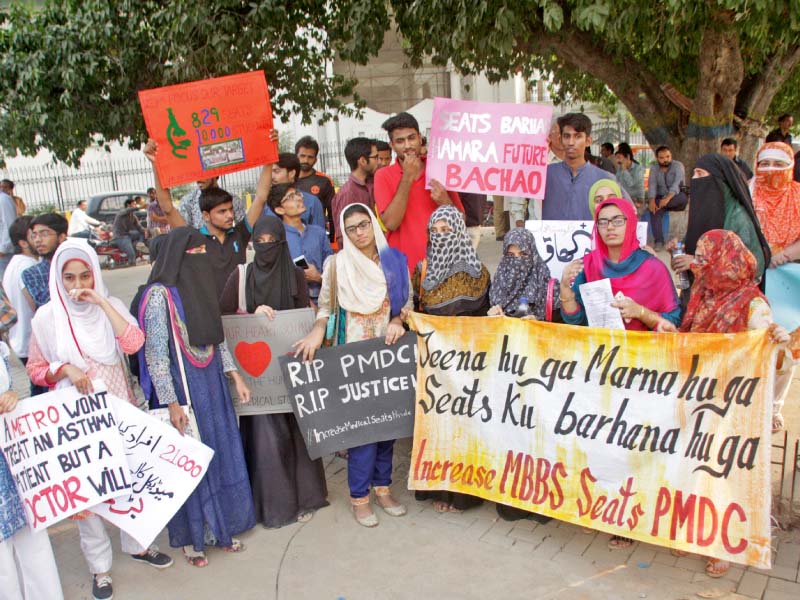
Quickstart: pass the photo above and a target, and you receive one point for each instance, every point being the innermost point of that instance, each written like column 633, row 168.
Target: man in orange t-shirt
column 400, row 195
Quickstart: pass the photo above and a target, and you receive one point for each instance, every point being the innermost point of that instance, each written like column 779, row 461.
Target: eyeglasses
column 363, row 226
column 373, row 156
column 618, row 221
column 292, row 196
column 41, row 234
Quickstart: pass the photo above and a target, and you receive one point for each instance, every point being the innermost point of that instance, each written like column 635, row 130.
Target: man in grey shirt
column 664, row 191
column 189, row 207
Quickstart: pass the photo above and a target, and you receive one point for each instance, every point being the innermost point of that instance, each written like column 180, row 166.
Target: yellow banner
column 663, row 438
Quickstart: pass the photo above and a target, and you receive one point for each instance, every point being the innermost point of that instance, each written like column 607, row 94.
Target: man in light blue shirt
column 566, row 194
column 309, row 241
column 8, row 214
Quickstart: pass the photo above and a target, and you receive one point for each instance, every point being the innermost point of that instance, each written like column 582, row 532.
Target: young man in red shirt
column 400, row 195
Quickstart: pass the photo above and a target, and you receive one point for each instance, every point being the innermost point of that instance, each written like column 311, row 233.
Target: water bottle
column 523, row 309
column 682, row 278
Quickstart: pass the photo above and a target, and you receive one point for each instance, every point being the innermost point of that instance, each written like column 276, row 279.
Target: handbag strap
column 242, row 288
column 176, row 333
column 334, row 297
column 422, row 271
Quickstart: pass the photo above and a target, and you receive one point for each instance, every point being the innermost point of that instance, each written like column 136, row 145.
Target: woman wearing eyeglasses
column 370, row 295
column 650, row 301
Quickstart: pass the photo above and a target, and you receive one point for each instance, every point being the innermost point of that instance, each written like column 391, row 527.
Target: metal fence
column 59, row 186
column 56, row 185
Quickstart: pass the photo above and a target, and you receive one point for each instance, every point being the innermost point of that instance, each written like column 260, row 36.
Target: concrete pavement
column 425, row 554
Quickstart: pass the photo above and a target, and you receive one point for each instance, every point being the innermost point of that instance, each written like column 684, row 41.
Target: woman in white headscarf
column 367, row 300
column 81, row 335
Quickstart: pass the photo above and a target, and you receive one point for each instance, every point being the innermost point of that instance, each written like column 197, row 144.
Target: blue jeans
column 126, row 244
column 659, row 223
column 370, row 464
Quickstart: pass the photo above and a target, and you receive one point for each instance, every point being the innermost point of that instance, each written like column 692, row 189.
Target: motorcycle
column 109, row 255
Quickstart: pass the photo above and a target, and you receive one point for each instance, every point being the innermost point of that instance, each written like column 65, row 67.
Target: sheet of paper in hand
column 354, row 394
column 255, row 343
column 597, row 298
column 561, row 242
column 210, row 127
column 164, row 469
column 65, row 453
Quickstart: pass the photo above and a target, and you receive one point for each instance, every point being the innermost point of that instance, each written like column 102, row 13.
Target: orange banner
column 209, row 128
column 663, row 438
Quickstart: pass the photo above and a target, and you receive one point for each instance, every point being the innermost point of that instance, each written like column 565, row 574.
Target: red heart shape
column 253, row 358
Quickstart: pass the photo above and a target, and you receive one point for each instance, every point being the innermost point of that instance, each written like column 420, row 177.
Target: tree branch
column 756, row 95
column 642, row 94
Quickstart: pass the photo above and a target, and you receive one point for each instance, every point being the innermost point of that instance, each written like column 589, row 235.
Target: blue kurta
column 222, row 504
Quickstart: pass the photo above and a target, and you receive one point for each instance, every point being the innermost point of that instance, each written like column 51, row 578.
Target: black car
column 105, row 206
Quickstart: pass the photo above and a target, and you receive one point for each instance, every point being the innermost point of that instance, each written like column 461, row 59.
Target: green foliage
column 70, row 69
column 571, row 39
column 41, row 209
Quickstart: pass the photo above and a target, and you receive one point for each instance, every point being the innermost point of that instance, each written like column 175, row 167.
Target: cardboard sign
column 255, row 343
column 489, row 148
column 209, row 128
column 354, row 394
column 662, row 438
column 561, row 242
column 164, row 469
column 783, row 290
column 65, row 453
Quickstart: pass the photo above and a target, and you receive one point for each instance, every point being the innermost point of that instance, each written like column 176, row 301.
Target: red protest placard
column 209, row 128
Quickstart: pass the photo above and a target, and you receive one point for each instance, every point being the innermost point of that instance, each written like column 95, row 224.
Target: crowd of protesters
column 401, row 243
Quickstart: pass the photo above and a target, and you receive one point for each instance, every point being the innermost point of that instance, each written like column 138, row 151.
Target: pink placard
column 489, row 147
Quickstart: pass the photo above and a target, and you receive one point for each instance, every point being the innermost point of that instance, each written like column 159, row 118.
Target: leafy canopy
column 70, row 70
column 568, row 38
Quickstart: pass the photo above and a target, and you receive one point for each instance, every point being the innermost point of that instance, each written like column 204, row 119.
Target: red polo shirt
column 411, row 237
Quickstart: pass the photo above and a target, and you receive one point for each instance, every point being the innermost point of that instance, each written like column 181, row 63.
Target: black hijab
column 707, row 210
column 271, row 278
column 191, row 274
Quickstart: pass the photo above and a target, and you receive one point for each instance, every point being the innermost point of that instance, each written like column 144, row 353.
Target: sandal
column 618, row 542
column 236, row 546
column 777, row 423
column 443, row 507
column 367, row 519
column 678, row 553
column 305, row 517
column 195, row 558
column 391, row 507
column 716, row 568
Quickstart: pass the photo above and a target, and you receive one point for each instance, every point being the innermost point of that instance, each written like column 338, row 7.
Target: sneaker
column 154, row 558
column 101, row 587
